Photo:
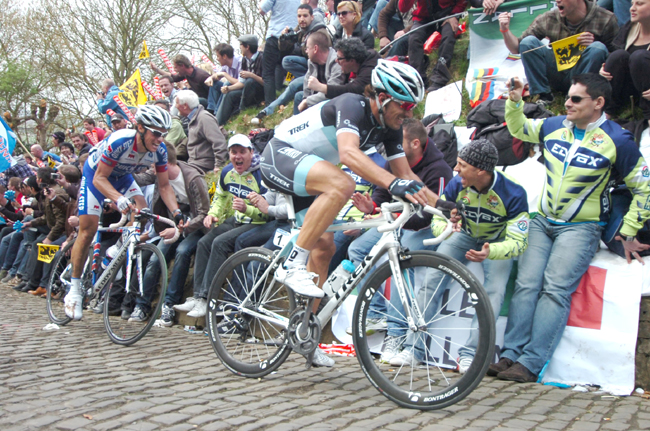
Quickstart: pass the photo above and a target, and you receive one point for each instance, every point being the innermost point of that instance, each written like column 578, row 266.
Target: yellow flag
column 288, row 78
column 145, row 52
column 133, row 94
column 567, row 52
column 46, row 252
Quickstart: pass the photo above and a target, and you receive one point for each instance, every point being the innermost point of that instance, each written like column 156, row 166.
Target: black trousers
column 630, row 77
column 416, row 41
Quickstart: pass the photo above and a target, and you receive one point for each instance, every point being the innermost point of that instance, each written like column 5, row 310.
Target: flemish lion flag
column 567, row 52
column 46, row 252
column 145, row 52
column 133, row 93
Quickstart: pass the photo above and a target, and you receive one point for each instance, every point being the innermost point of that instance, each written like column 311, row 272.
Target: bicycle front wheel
column 59, row 285
column 128, row 330
column 436, row 364
column 246, row 324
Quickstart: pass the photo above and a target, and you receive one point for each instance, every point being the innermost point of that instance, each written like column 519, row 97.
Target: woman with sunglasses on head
column 627, row 67
column 349, row 16
column 107, row 175
column 301, row 160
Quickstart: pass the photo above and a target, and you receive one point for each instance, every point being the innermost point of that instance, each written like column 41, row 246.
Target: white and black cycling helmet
column 400, row 81
column 153, row 116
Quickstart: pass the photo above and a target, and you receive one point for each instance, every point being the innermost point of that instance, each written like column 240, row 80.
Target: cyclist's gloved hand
column 10, row 195
column 123, row 203
column 401, row 188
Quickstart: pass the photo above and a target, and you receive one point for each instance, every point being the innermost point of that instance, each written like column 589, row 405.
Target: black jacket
column 359, row 31
column 361, row 79
column 434, row 172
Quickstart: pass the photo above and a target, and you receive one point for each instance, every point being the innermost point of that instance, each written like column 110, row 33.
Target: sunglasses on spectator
column 577, row 99
column 345, row 12
column 407, row 106
column 156, row 133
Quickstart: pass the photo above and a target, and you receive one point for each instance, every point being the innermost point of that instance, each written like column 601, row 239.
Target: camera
column 55, row 176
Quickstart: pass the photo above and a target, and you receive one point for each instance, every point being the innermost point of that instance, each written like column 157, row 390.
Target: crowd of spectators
column 329, row 54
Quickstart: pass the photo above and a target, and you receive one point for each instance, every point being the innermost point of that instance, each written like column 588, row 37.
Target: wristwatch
column 627, row 238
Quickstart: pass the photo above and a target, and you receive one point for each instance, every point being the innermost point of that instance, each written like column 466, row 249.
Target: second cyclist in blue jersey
column 107, row 175
column 301, row 160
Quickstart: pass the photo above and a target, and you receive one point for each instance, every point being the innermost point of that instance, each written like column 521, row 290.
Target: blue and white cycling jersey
column 119, row 151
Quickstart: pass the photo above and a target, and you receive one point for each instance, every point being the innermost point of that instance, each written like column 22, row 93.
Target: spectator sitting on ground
column 248, row 91
column 194, row 202
column 350, row 18
column 185, row 71
column 627, row 69
column 356, row 64
column 597, row 25
column 105, row 99
column 69, row 180
column 230, row 67
column 67, row 153
column 42, row 156
column 206, row 145
column 322, row 63
column 293, row 41
column 237, row 180
column 425, row 12
column 20, row 169
column 389, row 28
column 274, row 205
column 89, row 125
column 118, row 122
column 80, row 142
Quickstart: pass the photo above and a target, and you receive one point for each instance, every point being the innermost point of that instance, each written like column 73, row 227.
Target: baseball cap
column 117, row 117
column 240, row 139
column 248, row 39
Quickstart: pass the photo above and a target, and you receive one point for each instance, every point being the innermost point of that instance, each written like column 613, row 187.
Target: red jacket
column 422, row 13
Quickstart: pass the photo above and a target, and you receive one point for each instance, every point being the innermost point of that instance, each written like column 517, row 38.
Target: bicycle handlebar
column 148, row 215
column 406, row 208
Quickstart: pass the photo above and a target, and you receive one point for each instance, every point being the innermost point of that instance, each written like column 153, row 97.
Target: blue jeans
column 621, row 9
column 549, row 272
column 286, row 96
column 365, row 17
column 393, row 312
column 9, row 249
column 259, row 235
column 295, row 64
column 296, row 101
column 496, row 275
column 214, row 96
column 394, row 25
column 183, row 250
column 22, row 258
column 236, row 100
column 541, row 69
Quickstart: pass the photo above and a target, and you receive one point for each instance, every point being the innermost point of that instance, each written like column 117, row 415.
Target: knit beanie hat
column 481, row 154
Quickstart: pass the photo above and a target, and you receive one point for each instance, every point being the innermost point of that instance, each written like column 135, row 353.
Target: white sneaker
column 299, row 280
column 187, row 306
column 320, row 359
column 406, row 357
column 392, row 348
column 372, row 326
column 200, row 306
column 464, row 362
column 73, row 305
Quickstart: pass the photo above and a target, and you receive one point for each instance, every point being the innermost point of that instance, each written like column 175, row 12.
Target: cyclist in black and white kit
column 301, row 160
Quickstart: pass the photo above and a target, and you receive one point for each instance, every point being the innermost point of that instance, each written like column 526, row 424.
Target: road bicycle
column 119, row 281
column 254, row 322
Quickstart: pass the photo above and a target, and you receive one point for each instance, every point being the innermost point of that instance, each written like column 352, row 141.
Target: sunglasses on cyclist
column 156, row 133
column 577, row 99
column 407, row 106
column 345, row 12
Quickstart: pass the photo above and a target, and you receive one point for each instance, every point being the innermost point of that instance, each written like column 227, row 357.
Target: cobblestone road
column 75, row 378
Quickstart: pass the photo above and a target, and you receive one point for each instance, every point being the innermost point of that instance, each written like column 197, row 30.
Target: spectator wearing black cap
column 118, row 122
column 249, row 91
column 493, row 232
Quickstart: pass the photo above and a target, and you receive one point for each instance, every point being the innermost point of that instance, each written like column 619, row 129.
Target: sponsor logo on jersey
column 465, row 200
column 279, row 180
column 290, row 152
column 645, row 171
column 522, row 225
column 564, row 136
column 299, row 128
column 597, row 140
column 579, row 159
column 131, row 156
column 236, row 191
column 493, row 201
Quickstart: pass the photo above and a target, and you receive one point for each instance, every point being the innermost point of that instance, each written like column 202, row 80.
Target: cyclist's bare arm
column 166, row 191
column 401, row 168
column 101, row 182
column 352, row 157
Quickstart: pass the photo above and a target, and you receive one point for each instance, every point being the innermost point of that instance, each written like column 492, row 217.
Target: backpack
column 260, row 137
column 443, row 136
column 489, row 120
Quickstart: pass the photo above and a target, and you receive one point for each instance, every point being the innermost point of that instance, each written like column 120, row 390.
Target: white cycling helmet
column 153, row 116
column 400, row 81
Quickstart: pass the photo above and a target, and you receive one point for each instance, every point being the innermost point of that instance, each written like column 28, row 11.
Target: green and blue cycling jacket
column 499, row 216
column 580, row 172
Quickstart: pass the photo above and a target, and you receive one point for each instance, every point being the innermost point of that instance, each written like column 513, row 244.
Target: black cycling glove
column 401, row 188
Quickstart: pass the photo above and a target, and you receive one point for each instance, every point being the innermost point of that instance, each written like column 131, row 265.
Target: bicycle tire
column 126, row 332
column 56, row 288
column 411, row 386
column 249, row 346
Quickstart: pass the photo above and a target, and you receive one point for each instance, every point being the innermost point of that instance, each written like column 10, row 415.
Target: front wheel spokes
column 454, row 323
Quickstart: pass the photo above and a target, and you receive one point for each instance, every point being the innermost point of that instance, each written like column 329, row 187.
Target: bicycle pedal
column 310, row 358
